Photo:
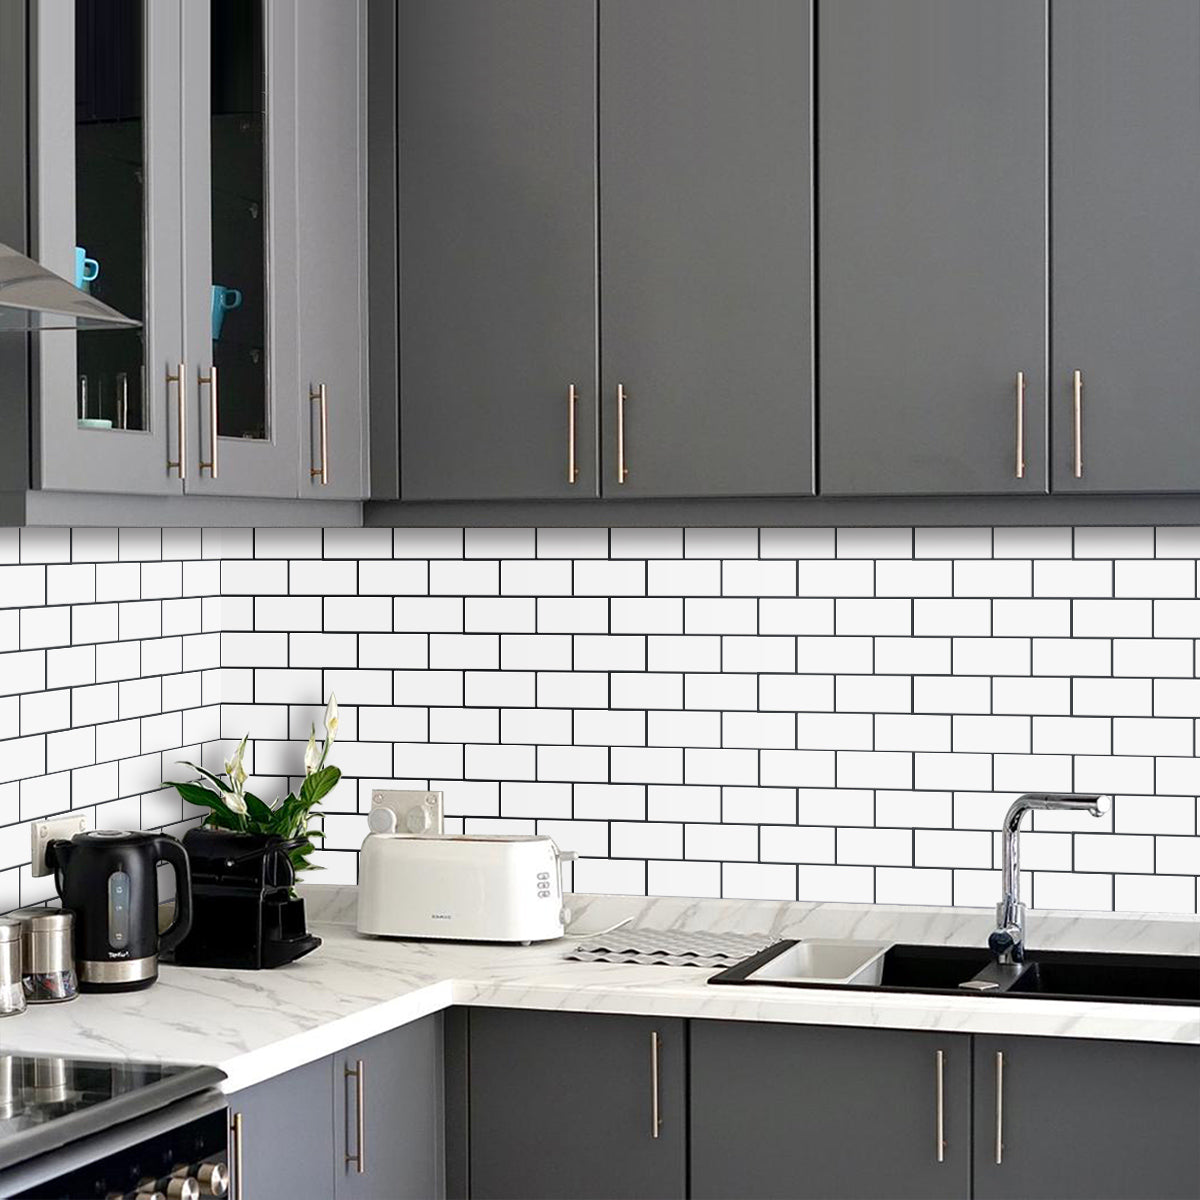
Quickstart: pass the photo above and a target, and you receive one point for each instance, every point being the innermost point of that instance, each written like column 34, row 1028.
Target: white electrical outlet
column 406, row 812
column 42, row 833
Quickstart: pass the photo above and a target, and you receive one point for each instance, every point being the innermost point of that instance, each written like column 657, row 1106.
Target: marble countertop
column 256, row 1024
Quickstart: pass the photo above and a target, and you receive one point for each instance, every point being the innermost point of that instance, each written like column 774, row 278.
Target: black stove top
column 47, row 1102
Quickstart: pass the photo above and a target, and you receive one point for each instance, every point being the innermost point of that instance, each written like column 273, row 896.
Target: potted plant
column 230, row 806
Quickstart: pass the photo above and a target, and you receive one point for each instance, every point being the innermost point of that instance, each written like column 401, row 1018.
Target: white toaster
column 478, row 889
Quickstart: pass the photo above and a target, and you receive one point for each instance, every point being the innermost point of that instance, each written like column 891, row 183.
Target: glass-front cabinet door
column 105, row 175
column 239, row 258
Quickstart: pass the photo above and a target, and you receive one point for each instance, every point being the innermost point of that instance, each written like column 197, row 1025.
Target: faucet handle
column 1002, row 941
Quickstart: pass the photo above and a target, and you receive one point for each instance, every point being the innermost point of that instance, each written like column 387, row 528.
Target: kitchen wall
column 109, row 672
column 807, row 713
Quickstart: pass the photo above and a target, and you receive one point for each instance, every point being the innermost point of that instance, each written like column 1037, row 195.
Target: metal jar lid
column 48, row 937
column 10, row 929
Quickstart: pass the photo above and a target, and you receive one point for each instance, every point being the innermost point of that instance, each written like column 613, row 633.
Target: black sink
column 1048, row 974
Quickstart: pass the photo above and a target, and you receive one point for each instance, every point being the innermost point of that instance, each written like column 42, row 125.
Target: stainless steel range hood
column 33, row 298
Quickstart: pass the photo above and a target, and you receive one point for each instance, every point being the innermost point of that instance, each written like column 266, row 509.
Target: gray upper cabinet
column 1067, row 1119
column 576, row 1104
column 931, row 169
column 705, row 247
column 105, row 203
column 389, row 1090
column 201, row 168
column 811, row 1113
column 1125, row 165
column 497, row 131
column 274, row 169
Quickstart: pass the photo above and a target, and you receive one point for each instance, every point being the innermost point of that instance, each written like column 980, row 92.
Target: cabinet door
column 564, row 1104
column 105, row 189
column 497, row 248
column 1125, row 164
column 832, row 1114
column 286, row 1135
column 391, row 1089
column 239, row 278
column 1068, row 1119
column 330, row 246
column 932, row 226
column 705, row 247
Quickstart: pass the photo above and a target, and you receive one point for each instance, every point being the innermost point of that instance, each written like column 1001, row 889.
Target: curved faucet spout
column 1007, row 942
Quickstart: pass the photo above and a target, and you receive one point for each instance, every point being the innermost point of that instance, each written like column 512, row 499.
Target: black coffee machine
column 109, row 880
column 244, row 913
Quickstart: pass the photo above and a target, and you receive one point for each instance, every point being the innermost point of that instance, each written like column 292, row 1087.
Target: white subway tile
column 816, row 577
column 1177, row 618
column 1114, row 542
column 572, row 689
column 762, row 731
column 684, row 729
column 686, row 653
column 1157, row 814
column 1031, row 772
column 1177, row 855
column 1073, row 735
column 925, row 810
column 1072, row 656
column 610, row 877
column 499, row 543
column 1153, row 735
column 1156, row 579
column 393, row 578
column 912, row 655
column 683, row 879
column 797, row 768
column 601, row 652
column 643, row 839
column 720, row 543
column 797, row 543
column 953, row 543
column 1157, row 658
column 728, row 843
column 904, row 732
column 667, row 802
column 427, row 543
column 1155, row 894
column 759, row 577
column 760, row 654
column 600, row 727
column 949, row 772
column 1084, row 893
column 798, row 844
column 1177, row 541
column 680, row 578
column 41, row 627
column 466, row 578
column 646, row 543
column 703, row 765
column 873, row 617
column 572, row 543
column 1073, row 579
column 1032, row 542
column 874, row 543
column 991, row 656
column 23, row 671
column 948, row 695
column 427, row 687
column 611, row 801
column 874, row 769
column 534, row 726
column 948, row 618
column 834, row 655
column 726, row 691
column 793, row 693
column 44, row 545
column 1117, row 698
column 993, row 579
column 836, row 885
column 428, row 759
column 357, row 543
column 835, row 731
column 1032, row 618
column 630, row 689
column 608, row 577
column 873, row 847
column 991, row 735
column 534, row 652
column 508, row 762
column 720, row 615
column 905, row 885
column 641, row 615
column 873, row 693
column 498, row 688
column 757, row 881
column 631, row 764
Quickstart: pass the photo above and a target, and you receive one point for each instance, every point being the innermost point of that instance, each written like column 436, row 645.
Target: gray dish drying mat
column 670, row 948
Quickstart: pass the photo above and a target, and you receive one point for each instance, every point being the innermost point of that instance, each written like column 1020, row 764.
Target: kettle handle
column 171, row 851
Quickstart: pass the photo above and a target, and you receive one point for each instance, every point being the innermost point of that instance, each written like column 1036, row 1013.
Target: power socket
column 42, row 833
column 406, row 812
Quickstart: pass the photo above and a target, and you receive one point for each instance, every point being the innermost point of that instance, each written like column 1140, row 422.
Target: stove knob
column 214, row 1179
column 183, row 1189
column 148, row 1189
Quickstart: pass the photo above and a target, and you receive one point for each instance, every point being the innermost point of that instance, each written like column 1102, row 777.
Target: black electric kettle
column 109, row 880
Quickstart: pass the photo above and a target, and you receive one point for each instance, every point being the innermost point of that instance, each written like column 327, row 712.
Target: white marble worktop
column 255, row 1024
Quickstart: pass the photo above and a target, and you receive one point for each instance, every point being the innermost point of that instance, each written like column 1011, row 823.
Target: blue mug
column 223, row 300
column 87, row 270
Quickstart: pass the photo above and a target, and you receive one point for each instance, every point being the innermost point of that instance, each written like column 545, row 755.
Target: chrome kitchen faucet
column 1007, row 942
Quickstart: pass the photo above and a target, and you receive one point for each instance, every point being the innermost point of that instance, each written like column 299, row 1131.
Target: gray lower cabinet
column 828, row 1114
column 497, row 147
column 576, row 1105
column 387, row 1116
column 931, row 165
column 705, row 247
column 1125, row 163
column 1070, row 1119
column 283, row 1135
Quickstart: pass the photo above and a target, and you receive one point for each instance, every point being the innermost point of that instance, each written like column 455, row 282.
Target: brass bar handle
column 321, row 396
column 180, row 464
column 572, row 464
column 358, row 1159
column 236, row 1128
column 622, row 469
column 1020, row 424
column 999, row 1107
column 655, row 1113
column 1078, row 411
column 212, row 466
column 941, row 1106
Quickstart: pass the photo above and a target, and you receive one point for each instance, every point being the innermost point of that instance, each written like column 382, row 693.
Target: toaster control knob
column 183, row 1189
column 417, row 820
column 381, row 820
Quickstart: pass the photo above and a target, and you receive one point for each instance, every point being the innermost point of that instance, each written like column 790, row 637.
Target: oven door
column 189, row 1138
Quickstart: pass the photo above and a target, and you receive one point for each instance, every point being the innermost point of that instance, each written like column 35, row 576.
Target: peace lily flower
column 331, row 718
column 312, row 756
column 235, row 800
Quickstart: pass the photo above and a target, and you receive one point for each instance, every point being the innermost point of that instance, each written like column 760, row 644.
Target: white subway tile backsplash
column 761, row 703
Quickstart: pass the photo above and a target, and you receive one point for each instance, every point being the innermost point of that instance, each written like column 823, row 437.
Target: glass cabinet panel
column 239, row 224
column 110, row 255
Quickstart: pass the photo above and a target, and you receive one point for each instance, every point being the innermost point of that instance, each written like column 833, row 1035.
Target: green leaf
column 259, row 813
column 318, row 785
column 196, row 793
column 208, row 775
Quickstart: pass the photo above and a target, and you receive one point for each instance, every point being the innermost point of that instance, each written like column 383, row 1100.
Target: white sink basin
column 826, row 961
